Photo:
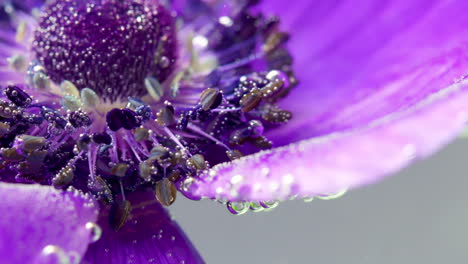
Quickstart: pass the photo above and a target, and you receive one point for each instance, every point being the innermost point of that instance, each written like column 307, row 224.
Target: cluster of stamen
column 110, row 143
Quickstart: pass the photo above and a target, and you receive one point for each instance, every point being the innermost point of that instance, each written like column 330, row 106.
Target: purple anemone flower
column 109, row 108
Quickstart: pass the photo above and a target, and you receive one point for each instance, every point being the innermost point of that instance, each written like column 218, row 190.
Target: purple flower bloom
column 120, row 104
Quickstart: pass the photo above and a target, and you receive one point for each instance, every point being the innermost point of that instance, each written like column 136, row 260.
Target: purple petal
column 357, row 66
column 149, row 236
column 40, row 224
column 339, row 161
column 377, row 89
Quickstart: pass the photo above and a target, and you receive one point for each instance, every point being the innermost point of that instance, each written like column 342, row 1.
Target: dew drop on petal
column 55, row 254
column 238, row 208
column 95, row 229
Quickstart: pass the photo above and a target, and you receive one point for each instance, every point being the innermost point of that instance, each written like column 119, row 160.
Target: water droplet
column 134, row 241
column 256, row 207
column 308, row 199
column 269, row 204
column 332, row 196
column 173, row 238
column 41, row 81
column 237, row 179
column 226, row 21
column 96, row 231
column 238, row 208
column 57, row 253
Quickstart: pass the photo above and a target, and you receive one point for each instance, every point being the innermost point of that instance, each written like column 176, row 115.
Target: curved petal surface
column 40, row 224
column 358, row 61
column 339, row 161
column 149, row 236
column 379, row 80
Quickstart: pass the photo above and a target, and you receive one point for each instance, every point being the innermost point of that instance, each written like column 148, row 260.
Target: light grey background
column 418, row 216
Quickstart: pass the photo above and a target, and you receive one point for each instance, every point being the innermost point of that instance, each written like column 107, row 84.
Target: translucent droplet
column 332, row 196
column 269, row 204
column 308, row 199
column 41, row 81
column 52, row 251
column 238, row 208
column 186, row 184
column 256, row 207
column 226, row 21
column 96, row 231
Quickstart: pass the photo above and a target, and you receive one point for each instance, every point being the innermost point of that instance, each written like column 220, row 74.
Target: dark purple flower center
column 110, row 46
column 120, row 114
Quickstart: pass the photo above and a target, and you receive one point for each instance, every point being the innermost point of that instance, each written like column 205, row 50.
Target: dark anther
column 79, row 119
column 129, row 119
column 114, row 119
column 174, row 175
column 31, row 143
column 183, row 121
column 275, row 115
column 34, row 119
column 165, row 116
column 53, row 117
column 99, row 186
column 102, row 138
column 274, row 41
column 261, row 142
column 234, row 154
column 119, row 213
column 251, row 100
column 63, row 177
column 9, row 110
column 144, row 111
column 17, row 96
column 83, row 142
column 256, row 128
column 240, row 136
column 166, row 192
column 211, row 99
column 11, row 154
column 4, row 128
column 119, row 169
column 197, row 162
column 35, row 159
column 162, row 155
